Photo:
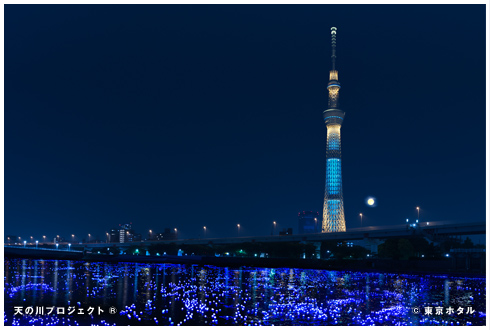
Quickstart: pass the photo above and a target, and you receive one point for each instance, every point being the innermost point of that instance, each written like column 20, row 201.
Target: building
column 333, row 203
column 309, row 222
column 285, row 232
column 114, row 236
column 167, row 235
column 125, row 233
column 137, row 237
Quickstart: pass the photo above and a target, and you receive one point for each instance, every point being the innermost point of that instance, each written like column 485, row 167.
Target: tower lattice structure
column 333, row 203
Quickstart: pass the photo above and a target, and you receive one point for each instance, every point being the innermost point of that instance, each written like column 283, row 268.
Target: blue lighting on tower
column 334, row 176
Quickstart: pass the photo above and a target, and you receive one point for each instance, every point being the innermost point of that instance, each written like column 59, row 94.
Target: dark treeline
column 247, row 249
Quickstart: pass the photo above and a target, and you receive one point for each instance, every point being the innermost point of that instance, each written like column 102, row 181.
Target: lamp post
column 204, row 231
column 36, row 243
column 44, row 238
column 69, row 246
column 175, row 229
column 273, row 228
column 238, row 229
column 418, row 212
column 361, row 218
column 316, row 225
column 57, row 245
column 150, row 234
column 8, row 238
column 25, row 243
column 73, row 237
column 107, row 237
column 89, row 238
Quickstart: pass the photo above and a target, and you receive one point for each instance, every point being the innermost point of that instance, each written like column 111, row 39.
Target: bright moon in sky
column 370, row 201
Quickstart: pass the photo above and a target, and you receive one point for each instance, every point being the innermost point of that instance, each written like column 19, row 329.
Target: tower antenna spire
column 333, row 32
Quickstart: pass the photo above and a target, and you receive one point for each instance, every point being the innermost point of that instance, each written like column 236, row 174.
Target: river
column 63, row 292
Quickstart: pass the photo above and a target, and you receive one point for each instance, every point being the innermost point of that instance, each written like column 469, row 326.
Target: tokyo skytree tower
column 333, row 203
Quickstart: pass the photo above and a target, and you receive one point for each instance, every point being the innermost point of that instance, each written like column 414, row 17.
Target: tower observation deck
column 333, row 203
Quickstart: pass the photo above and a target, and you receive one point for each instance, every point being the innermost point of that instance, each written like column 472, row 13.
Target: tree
column 405, row 248
column 389, row 249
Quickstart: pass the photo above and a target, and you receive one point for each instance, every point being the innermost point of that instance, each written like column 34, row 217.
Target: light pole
column 25, row 243
column 361, row 218
column 69, row 245
column 73, row 237
column 57, row 245
column 150, row 234
column 107, row 237
column 273, row 228
column 44, row 238
column 175, row 229
column 316, row 225
column 89, row 238
column 8, row 240
column 36, row 243
column 204, row 231
column 238, row 229
column 418, row 212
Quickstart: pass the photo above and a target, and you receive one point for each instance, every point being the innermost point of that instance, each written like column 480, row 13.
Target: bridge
column 433, row 231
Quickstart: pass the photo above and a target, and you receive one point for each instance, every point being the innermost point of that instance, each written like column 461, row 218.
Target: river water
column 61, row 292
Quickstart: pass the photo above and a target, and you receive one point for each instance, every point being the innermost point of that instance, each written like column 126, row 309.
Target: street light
column 69, row 245
column 89, row 238
column 361, row 218
column 57, row 245
column 36, row 243
column 273, row 227
column 418, row 212
column 107, row 237
column 150, row 234
column 204, row 231
column 407, row 220
column 238, row 228
column 25, row 243
column 316, row 225
column 44, row 238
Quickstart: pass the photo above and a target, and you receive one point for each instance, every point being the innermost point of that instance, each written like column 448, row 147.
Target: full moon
column 371, row 201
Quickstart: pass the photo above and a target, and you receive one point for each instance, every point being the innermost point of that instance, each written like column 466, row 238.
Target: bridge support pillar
column 372, row 244
column 318, row 246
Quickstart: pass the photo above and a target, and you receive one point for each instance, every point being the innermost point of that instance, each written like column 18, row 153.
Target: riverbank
column 444, row 267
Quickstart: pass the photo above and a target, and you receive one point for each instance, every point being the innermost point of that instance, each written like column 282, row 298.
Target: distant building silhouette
column 285, row 232
column 167, row 235
column 309, row 222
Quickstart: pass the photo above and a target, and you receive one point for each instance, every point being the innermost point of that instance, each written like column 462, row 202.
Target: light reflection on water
column 168, row 294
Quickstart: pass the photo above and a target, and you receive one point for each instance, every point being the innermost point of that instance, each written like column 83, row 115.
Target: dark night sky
column 185, row 116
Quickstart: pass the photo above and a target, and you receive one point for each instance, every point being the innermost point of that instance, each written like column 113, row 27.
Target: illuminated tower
column 333, row 203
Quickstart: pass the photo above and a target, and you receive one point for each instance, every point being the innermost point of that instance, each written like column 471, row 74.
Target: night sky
column 211, row 115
